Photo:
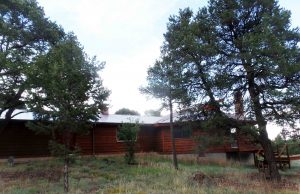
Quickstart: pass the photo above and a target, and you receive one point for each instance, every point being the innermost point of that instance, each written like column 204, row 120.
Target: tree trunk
column 265, row 142
column 172, row 136
column 66, row 174
column 67, row 143
column 272, row 170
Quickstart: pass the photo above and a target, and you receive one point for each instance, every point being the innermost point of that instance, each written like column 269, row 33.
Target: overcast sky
column 127, row 35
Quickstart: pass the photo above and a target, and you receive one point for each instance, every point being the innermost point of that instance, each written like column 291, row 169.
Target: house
column 154, row 136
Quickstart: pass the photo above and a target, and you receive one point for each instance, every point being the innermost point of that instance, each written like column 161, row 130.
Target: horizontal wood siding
column 84, row 142
column 183, row 145
column 146, row 140
column 246, row 145
column 159, row 141
column 106, row 141
column 19, row 141
column 189, row 145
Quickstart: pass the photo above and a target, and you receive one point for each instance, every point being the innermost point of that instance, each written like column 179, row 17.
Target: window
column 182, row 133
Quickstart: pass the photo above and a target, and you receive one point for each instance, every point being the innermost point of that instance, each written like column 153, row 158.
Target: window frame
column 184, row 133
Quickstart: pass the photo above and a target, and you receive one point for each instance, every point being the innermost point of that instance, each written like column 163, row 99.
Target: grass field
column 153, row 174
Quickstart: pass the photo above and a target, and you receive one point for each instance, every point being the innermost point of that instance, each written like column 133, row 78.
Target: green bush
column 127, row 133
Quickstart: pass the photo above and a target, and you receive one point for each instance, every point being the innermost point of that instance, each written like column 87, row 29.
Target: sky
column 127, row 35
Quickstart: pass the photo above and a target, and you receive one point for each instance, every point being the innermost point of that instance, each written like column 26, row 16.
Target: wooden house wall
column 183, row 145
column 85, row 143
column 105, row 140
column 146, row 140
column 246, row 145
column 189, row 145
column 159, row 140
column 19, row 141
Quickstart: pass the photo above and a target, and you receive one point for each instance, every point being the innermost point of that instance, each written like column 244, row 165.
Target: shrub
column 127, row 133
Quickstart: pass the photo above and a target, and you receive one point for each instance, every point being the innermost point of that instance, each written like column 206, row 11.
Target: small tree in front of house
column 66, row 96
column 164, row 83
column 127, row 133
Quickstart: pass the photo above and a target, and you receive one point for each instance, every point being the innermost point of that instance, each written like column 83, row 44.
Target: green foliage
column 235, row 46
column 253, row 48
column 205, row 141
column 66, row 92
column 25, row 34
column 293, row 145
column 164, row 82
column 126, row 111
column 294, row 148
column 61, row 151
column 128, row 133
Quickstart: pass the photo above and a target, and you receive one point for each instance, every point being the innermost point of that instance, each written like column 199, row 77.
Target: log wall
column 105, row 140
column 183, row 145
column 19, row 141
column 189, row 145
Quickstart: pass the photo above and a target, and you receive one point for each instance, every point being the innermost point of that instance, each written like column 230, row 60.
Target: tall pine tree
column 245, row 46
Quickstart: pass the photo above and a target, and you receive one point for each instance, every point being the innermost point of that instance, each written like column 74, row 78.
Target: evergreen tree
column 258, row 52
column 164, row 84
column 191, row 44
column 245, row 46
column 66, row 96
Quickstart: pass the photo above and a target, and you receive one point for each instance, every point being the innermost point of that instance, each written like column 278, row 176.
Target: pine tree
column 245, row 46
column 66, row 96
column 163, row 83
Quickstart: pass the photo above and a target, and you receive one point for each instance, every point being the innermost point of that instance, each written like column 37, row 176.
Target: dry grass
column 153, row 174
